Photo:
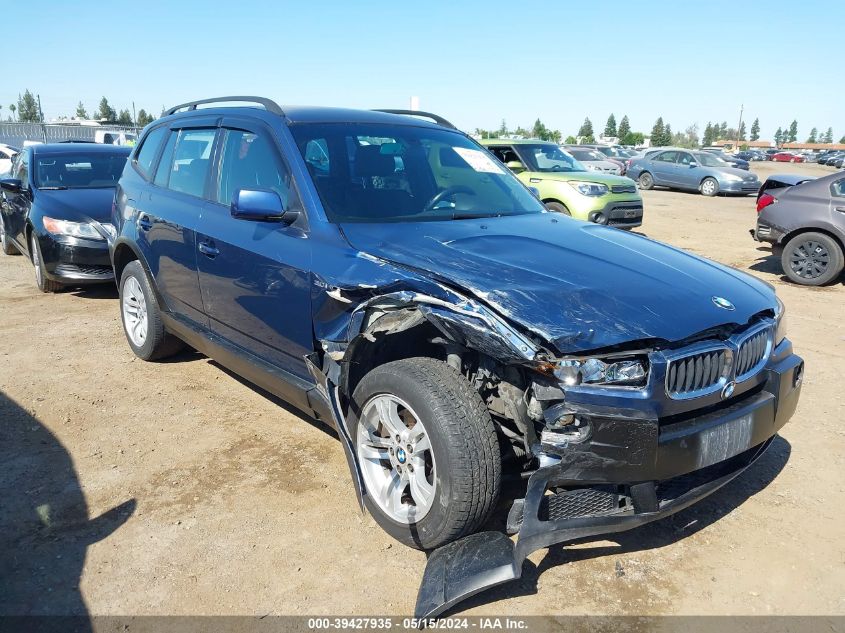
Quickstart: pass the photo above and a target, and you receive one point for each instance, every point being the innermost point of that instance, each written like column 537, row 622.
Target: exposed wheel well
column 122, row 256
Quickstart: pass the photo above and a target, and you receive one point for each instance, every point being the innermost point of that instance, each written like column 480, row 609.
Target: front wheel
column 812, row 259
column 709, row 187
column 41, row 280
column 645, row 181
column 428, row 452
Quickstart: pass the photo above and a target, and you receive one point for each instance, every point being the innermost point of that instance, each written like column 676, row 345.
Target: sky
column 473, row 62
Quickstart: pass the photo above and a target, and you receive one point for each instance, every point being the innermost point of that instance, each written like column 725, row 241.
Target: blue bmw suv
column 384, row 273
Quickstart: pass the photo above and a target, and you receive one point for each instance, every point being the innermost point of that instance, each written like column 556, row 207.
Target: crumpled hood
column 77, row 205
column 576, row 285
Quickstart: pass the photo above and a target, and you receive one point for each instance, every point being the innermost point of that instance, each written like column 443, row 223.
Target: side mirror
column 693, row 164
column 12, row 185
column 260, row 205
column 515, row 166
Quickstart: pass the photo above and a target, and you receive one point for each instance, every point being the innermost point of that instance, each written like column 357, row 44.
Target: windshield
column 586, row 154
column 404, row 173
column 709, row 160
column 79, row 170
column 546, row 157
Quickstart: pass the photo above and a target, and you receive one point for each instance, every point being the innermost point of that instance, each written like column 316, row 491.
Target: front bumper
column 631, row 471
column 742, row 186
column 624, row 214
column 75, row 261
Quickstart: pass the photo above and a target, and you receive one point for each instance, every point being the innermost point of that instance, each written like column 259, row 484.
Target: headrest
column 369, row 161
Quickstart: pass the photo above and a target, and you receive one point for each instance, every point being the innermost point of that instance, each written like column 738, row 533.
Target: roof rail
column 269, row 105
column 428, row 115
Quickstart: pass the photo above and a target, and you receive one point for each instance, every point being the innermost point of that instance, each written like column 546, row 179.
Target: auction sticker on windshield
column 478, row 160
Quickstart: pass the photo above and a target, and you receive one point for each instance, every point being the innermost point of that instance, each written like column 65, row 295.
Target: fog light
column 598, row 217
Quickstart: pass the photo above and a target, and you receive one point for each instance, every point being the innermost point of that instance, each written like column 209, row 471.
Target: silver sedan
column 693, row 171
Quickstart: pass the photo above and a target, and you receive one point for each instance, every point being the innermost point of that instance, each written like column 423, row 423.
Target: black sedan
column 56, row 208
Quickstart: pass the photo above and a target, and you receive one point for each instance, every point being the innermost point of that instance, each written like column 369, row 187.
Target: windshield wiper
column 473, row 216
column 57, row 187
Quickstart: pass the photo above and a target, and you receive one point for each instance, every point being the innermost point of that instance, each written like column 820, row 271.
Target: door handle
column 208, row 249
column 144, row 223
column 840, row 209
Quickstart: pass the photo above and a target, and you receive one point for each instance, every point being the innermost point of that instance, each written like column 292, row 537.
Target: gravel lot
column 176, row 488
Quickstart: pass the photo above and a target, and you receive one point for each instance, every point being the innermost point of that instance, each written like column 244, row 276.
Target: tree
column 610, row 126
column 813, row 136
column 28, row 108
column 624, row 128
column 828, row 136
column 80, row 111
column 503, row 130
column 842, row 140
column 106, row 112
column 755, row 130
column 571, row 140
column 723, row 131
column 778, row 137
column 146, row 119
column 742, row 131
column 521, row 132
column 708, row 135
column 586, row 131
column 555, row 136
column 124, row 118
column 657, row 133
column 539, row 130
column 793, row 131
column 13, row 107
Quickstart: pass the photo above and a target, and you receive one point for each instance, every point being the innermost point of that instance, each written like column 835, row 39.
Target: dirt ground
column 176, row 488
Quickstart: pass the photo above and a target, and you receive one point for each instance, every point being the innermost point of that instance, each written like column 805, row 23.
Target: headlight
column 83, row 230
column 594, row 371
column 732, row 178
column 780, row 320
column 111, row 232
column 588, row 188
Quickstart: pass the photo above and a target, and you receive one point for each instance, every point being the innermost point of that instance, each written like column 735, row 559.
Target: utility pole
column 41, row 116
column 741, row 108
column 134, row 118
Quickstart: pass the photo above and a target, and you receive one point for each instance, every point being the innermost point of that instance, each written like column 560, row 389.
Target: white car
column 593, row 160
column 7, row 153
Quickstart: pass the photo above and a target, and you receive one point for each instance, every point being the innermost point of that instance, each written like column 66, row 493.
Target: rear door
column 19, row 204
column 171, row 211
column 255, row 276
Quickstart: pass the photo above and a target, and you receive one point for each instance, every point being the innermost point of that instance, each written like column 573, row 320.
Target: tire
column 5, row 243
column 791, row 160
column 709, row 187
column 558, row 207
column 646, row 181
column 141, row 316
column 461, row 469
column 44, row 284
column 812, row 259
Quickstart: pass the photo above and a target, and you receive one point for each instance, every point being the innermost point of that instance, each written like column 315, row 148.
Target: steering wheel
column 447, row 192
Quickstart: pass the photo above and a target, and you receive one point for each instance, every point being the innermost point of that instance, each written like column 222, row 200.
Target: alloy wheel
column 809, row 260
column 134, row 306
column 36, row 261
column 397, row 460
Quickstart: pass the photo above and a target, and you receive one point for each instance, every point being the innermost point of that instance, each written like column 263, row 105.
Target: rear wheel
column 428, row 451
column 44, row 284
column 646, row 181
column 709, row 187
column 812, row 259
column 558, row 207
column 141, row 316
column 5, row 243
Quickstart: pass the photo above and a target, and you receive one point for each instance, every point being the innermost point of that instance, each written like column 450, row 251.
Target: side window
column 166, row 163
column 317, row 155
column 187, row 171
column 667, row 157
column 838, row 188
column 685, row 158
column 250, row 161
column 23, row 170
column 149, row 150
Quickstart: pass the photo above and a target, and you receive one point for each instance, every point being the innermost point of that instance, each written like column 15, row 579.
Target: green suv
column 566, row 186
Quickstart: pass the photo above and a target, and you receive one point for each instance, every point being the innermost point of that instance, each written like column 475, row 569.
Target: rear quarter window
column 149, row 150
column 838, row 188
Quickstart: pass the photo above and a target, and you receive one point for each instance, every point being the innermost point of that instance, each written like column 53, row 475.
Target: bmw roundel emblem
column 400, row 455
column 728, row 390
column 723, row 303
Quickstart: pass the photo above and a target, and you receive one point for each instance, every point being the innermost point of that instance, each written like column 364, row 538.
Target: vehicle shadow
column 98, row 291
column 45, row 529
column 653, row 535
column 771, row 264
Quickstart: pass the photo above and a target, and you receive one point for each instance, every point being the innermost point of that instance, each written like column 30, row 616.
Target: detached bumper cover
column 677, row 464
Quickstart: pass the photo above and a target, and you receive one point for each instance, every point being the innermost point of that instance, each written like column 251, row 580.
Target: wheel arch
column 813, row 229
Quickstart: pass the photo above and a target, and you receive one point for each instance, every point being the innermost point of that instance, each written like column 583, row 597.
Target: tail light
column 764, row 201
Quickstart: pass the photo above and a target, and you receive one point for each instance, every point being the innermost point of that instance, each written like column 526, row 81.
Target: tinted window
column 189, row 167
column 146, row 155
column 394, row 173
column 23, row 170
column 166, row 162
column 838, row 188
column 249, row 161
column 79, row 170
column 685, row 158
column 667, row 157
column 317, row 154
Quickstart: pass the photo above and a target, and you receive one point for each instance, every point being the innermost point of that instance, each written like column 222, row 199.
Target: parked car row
column 690, row 170
column 388, row 275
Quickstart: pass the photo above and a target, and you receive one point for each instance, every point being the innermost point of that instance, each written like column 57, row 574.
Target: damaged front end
column 606, row 441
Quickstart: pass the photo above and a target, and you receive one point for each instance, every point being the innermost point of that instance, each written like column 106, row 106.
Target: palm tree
column 12, row 107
